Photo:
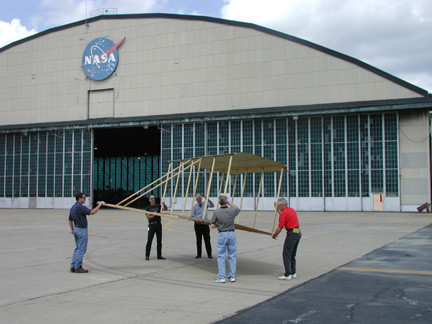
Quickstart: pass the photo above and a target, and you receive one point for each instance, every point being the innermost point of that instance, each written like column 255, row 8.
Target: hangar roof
column 231, row 23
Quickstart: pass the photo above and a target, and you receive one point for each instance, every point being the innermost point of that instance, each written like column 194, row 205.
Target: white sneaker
column 285, row 277
column 294, row 275
column 231, row 279
column 219, row 280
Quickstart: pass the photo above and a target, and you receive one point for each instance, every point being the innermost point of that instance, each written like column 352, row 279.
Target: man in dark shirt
column 154, row 227
column 78, row 225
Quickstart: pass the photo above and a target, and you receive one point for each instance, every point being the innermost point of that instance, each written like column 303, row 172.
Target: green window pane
column 235, row 134
column 392, row 183
column 376, row 131
column 303, row 184
column 281, row 131
column 316, row 130
column 248, row 133
column 377, row 180
column 390, row 124
column 376, row 151
column 353, row 155
column 188, row 139
column 338, row 129
column 339, row 184
column 317, row 184
column 353, row 183
column 339, row 156
column 303, row 131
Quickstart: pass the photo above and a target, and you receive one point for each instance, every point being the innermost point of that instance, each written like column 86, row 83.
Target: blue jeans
column 226, row 241
column 81, row 240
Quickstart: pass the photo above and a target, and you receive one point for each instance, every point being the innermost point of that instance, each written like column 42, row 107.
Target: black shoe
column 72, row 269
column 147, row 258
column 198, row 257
column 210, row 257
column 161, row 258
column 80, row 270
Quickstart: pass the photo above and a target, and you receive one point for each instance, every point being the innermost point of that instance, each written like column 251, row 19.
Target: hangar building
column 103, row 104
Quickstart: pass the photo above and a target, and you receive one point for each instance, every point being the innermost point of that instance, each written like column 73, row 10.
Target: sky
column 392, row 35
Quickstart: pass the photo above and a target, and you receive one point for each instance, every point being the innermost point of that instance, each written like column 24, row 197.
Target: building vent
column 103, row 11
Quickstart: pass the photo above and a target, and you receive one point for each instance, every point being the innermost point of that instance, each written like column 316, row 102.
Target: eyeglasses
column 83, row 197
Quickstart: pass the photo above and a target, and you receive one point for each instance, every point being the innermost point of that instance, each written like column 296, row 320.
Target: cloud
column 392, row 35
column 10, row 32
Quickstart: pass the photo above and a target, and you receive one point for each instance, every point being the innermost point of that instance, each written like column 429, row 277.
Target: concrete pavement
column 121, row 287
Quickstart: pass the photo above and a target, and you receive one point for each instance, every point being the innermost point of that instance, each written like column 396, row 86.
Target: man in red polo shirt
column 288, row 219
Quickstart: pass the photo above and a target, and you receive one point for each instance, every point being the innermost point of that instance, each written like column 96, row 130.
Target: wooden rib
column 258, row 197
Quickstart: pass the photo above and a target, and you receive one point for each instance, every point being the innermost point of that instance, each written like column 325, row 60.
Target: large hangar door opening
column 125, row 160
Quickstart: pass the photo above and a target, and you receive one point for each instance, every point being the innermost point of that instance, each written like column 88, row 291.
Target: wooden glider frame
column 226, row 164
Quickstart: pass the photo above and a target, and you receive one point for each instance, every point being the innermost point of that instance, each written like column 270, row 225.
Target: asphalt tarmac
column 392, row 284
column 335, row 283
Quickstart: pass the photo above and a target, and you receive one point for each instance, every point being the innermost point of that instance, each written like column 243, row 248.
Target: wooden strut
column 277, row 198
column 226, row 167
column 195, row 189
column 158, row 185
column 208, row 187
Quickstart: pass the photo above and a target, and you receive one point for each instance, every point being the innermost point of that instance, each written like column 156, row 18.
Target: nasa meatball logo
column 100, row 58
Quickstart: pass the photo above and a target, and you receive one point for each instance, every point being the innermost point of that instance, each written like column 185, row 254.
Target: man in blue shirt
column 78, row 225
column 202, row 229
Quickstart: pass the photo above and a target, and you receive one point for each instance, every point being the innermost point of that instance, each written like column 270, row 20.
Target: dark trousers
column 152, row 230
column 203, row 230
column 289, row 252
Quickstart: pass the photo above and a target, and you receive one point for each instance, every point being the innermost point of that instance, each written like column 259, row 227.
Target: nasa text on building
column 102, row 105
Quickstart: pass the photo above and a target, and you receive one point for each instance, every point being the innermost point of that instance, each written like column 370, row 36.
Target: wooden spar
column 145, row 211
column 228, row 175
column 249, row 229
column 258, row 197
column 137, row 192
column 205, row 221
column 242, row 195
column 153, row 188
column 243, row 189
column 187, row 191
column 221, row 183
column 196, row 186
column 209, row 185
column 164, row 193
column 277, row 198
